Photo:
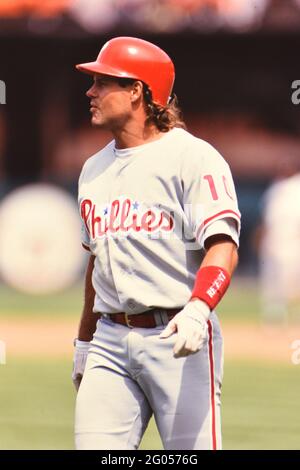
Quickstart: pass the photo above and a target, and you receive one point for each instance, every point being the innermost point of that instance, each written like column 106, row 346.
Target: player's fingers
column 169, row 330
column 197, row 341
column 182, row 353
column 198, row 337
column 199, row 334
column 191, row 346
column 196, row 345
column 179, row 346
column 185, row 352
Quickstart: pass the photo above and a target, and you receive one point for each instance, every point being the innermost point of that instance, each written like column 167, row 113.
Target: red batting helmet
column 127, row 57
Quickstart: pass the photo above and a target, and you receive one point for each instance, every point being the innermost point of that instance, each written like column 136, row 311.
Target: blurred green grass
column 37, row 401
column 63, row 304
column 260, row 406
column 240, row 303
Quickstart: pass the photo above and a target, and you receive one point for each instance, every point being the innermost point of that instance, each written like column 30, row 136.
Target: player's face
column 110, row 104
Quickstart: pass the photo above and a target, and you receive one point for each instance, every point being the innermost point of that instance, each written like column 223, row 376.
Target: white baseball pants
column 131, row 374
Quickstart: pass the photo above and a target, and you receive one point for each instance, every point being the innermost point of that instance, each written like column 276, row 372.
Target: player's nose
column 91, row 92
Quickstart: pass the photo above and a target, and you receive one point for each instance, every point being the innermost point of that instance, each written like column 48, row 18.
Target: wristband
column 211, row 284
column 77, row 343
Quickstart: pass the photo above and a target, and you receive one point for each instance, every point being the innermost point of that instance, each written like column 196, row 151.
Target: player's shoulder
column 294, row 181
column 98, row 161
column 197, row 149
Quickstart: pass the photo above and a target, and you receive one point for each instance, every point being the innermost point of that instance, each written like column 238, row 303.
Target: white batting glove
column 79, row 361
column 191, row 325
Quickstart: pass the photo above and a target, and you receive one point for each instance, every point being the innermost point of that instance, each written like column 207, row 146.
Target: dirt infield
column 38, row 338
column 55, row 339
column 268, row 343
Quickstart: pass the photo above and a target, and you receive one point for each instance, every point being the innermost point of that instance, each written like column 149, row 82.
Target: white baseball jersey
column 280, row 247
column 146, row 213
column 282, row 218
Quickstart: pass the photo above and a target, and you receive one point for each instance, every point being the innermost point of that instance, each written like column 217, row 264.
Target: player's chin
column 96, row 121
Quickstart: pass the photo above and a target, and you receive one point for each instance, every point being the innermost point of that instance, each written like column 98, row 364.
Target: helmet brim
column 91, row 68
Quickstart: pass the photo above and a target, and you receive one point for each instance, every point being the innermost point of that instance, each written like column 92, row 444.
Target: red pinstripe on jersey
column 212, row 385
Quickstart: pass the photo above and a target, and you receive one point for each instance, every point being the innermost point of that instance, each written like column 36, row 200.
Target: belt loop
column 158, row 317
column 161, row 317
column 164, row 317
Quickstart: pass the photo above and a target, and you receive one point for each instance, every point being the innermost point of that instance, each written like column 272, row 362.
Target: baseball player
column 279, row 248
column 160, row 219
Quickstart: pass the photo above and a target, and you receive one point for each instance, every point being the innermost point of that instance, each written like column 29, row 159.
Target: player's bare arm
column 221, row 251
column 87, row 326
column 191, row 323
column 89, row 319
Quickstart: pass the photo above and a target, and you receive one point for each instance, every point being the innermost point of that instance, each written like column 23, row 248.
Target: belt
column 149, row 319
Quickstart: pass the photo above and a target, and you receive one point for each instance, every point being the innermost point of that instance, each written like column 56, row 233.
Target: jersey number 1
column 213, row 189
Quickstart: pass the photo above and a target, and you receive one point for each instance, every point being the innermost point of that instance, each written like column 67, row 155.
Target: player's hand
column 191, row 325
column 79, row 361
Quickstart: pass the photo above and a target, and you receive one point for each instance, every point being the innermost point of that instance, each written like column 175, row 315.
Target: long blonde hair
column 164, row 118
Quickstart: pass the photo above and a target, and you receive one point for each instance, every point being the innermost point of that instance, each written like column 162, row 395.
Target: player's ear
column 136, row 91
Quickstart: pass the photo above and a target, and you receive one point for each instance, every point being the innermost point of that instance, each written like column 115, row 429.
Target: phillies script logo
column 123, row 216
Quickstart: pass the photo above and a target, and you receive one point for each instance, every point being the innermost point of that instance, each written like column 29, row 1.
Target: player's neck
column 135, row 135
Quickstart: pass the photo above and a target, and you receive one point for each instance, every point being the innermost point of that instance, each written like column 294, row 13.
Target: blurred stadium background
column 235, row 62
